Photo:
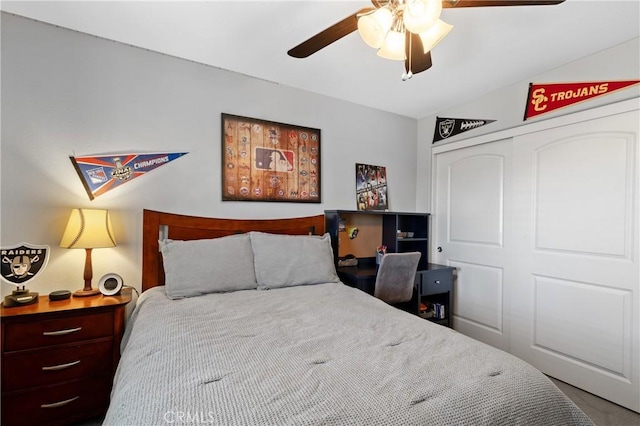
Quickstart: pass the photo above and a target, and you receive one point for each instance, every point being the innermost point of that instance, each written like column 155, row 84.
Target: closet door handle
column 61, row 332
column 60, row 366
column 439, row 249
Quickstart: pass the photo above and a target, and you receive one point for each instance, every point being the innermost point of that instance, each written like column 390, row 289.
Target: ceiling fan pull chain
column 407, row 74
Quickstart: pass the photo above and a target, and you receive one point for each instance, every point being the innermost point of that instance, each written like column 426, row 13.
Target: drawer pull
column 61, row 366
column 437, row 282
column 61, row 332
column 59, row 403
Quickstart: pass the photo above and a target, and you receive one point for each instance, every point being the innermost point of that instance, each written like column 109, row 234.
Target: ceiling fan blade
column 488, row 3
column 417, row 61
column 328, row 36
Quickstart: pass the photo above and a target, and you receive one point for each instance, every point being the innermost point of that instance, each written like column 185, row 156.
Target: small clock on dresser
column 59, row 357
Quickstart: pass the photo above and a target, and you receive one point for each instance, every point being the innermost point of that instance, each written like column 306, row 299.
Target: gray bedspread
column 322, row 354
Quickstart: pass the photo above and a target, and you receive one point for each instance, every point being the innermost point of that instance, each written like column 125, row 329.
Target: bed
column 295, row 346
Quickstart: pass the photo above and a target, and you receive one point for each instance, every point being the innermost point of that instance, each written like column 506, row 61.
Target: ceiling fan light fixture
column 434, row 35
column 393, row 46
column 420, row 15
column 374, row 26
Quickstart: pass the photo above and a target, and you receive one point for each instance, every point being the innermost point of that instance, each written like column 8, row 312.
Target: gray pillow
column 290, row 260
column 197, row 267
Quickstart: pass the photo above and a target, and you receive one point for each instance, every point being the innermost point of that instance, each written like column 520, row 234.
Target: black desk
column 362, row 277
column 432, row 285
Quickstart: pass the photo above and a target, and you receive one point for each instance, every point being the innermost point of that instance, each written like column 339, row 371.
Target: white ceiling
column 488, row 48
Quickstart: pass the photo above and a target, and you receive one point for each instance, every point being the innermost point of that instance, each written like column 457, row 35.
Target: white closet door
column 472, row 195
column 578, row 292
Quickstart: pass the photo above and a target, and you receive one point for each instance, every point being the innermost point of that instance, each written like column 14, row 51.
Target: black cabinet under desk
column 435, row 294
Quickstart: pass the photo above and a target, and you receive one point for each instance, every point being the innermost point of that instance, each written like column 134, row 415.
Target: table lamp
column 88, row 229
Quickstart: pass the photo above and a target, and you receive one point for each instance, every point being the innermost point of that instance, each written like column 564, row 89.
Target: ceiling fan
column 401, row 29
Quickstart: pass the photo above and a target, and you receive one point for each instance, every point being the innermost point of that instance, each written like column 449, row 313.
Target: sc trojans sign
column 544, row 98
column 102, row 173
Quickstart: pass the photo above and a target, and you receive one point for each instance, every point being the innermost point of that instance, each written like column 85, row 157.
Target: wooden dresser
column 59, row 357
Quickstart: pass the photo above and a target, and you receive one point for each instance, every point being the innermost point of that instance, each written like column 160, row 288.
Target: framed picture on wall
column 371, row 187
column 268, row 161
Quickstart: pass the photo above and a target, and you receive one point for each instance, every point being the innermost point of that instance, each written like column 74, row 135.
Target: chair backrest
column 396, row 275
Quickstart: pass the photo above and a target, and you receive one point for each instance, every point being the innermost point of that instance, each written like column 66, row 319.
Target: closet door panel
column 478, row 297
column 579, row 181
column 562, row 328
column 469, row 230
column 576, row 194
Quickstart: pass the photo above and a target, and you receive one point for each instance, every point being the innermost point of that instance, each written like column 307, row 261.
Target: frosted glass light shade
column 393, row 47
column 88, row 228
column 434, row 35
column 374, row 26
column 420, row 15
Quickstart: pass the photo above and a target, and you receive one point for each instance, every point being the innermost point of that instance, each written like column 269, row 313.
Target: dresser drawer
column 434, row 282
column 57, row 404
column 57, row 331
column 22, row 370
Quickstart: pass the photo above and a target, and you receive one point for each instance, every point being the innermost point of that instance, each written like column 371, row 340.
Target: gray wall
column 66, row 93
column 507, row 105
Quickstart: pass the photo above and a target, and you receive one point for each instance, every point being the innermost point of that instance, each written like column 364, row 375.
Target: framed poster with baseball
column 268, row 161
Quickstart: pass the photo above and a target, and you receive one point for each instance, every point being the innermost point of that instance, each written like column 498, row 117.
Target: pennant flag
column 102, row 173
column 544, row 98
column 447, row 127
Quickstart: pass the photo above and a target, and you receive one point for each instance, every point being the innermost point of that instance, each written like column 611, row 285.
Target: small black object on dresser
column 59, row 295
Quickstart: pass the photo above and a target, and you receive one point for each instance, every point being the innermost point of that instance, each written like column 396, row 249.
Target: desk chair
column 396, row 276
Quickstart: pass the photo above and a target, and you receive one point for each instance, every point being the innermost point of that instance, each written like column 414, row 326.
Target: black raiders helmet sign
column 23, row 262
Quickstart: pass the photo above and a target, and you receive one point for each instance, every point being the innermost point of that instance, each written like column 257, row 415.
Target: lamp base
column 86, row 293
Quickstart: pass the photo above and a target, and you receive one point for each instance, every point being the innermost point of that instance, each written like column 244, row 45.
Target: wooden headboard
column 158, row 225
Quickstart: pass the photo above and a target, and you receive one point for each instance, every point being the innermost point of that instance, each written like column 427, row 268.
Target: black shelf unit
column 392, row 223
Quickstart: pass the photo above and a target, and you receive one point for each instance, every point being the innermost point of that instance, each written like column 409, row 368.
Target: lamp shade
column 88, row 228
column 393, row 47
column 434, row 35
column 420, row 15
column 373, row 26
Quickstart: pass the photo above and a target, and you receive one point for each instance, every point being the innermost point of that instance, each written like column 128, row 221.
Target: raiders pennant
column 447, row 127
column 544, row 98
column 102, row 173
column 22, row 262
